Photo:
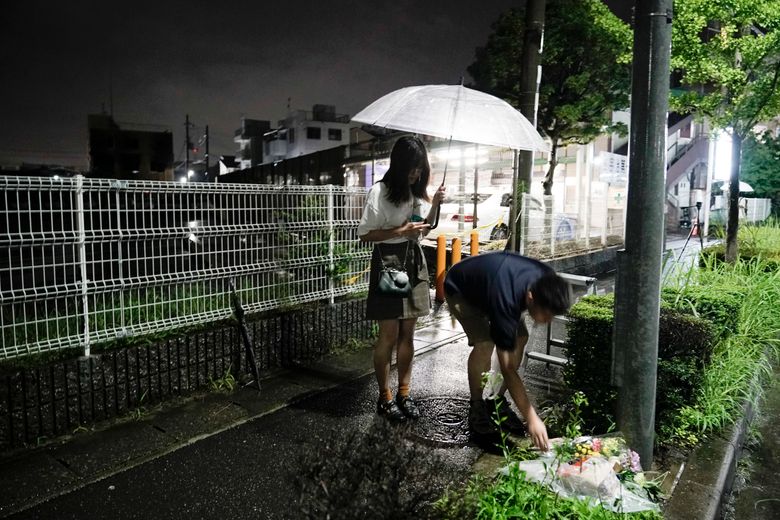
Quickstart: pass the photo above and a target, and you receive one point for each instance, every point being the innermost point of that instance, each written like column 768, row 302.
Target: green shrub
column 685, row 344
column 720, row 305
column 589, row 350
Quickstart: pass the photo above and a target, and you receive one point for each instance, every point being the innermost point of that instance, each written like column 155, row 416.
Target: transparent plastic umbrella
column 453, row 112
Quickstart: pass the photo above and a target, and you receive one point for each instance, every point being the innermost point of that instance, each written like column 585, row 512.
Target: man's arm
column 508, row 362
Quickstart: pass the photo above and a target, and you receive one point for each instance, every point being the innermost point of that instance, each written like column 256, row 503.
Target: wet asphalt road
column 247, row 471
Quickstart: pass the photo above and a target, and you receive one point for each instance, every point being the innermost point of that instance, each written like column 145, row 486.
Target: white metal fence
column 553, row 230
column 89, row 260
column 551, row 227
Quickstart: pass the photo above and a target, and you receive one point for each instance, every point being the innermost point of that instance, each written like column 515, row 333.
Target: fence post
column 605, row 222
column 331, row 245
column 120, row 262
column 523, row 225
column 82, row 248
column 549, row 222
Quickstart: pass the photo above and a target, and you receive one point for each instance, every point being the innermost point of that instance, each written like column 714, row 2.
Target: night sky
column 217, row 61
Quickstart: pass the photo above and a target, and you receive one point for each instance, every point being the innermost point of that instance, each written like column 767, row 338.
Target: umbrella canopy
column 744, row 187
column 453, row 112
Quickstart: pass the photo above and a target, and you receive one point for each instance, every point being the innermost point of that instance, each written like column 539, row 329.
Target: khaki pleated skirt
column 418, row 303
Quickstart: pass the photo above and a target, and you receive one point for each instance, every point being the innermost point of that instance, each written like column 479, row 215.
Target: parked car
column 493, row 216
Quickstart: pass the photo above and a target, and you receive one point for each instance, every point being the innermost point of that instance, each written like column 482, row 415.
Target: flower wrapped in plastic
column 591, row 477
column 602, row 470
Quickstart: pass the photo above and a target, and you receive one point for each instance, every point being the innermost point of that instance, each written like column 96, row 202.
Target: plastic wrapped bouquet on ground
column 603, row 470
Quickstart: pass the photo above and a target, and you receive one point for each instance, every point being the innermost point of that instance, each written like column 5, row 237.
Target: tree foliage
column 727, row 54
column 586, row 69
column 761, row 166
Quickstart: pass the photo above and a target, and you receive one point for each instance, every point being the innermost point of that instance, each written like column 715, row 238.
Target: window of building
column 334, row 134
column 313, row 132
column 291, row 135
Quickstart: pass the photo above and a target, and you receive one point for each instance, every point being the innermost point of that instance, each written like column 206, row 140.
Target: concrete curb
column 709, row 473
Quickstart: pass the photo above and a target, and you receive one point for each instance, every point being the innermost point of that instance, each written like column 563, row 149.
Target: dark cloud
column 216, row 61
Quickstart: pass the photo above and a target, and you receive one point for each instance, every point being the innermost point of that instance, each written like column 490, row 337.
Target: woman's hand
column 412, row 229
column 439, row 195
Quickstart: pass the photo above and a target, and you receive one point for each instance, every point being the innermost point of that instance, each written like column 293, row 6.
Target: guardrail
column 91, row 260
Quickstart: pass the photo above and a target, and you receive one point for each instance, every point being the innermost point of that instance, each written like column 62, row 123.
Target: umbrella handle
column 435, row 222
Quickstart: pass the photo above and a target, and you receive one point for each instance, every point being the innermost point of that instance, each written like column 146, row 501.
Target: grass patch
column 741, row 362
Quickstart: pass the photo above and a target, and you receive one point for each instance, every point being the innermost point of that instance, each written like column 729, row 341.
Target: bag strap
column 382, row 260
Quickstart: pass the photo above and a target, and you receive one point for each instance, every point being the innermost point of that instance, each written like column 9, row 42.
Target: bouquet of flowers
column 603, row 470
column 595, row 467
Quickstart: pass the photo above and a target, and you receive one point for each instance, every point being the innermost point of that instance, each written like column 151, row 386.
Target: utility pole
column 638, row 284
column 206, row 157
column 530, row 76
column 187, row 146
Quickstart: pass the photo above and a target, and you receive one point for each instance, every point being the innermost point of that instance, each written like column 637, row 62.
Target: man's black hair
column 551, row 292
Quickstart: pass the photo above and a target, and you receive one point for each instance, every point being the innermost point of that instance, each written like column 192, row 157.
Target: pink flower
column 636, row 465
column 596, row 445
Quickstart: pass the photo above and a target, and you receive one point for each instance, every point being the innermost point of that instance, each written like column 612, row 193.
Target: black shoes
column 480, row 422
column 390, row 410
column 398, row 409
column 500, row 411
column 408, row 406
column 485, row 415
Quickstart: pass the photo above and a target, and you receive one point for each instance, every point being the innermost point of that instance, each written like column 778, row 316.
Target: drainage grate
column 443, row 422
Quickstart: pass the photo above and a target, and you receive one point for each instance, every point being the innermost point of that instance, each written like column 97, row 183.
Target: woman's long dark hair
column 408, row 153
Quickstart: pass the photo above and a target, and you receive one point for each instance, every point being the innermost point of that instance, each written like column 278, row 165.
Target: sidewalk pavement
column 218, row 455
column 184, row 427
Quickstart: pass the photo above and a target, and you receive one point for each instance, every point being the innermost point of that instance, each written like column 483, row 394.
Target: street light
column 190, row 173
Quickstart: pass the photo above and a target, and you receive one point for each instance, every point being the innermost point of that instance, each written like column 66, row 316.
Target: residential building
column 131, row 151
column 249, row 139
column 300, row 133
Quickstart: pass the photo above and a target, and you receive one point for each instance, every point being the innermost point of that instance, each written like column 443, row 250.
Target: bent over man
column 488, row 294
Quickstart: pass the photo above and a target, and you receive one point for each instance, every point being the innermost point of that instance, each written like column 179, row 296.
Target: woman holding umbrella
column 393, row 220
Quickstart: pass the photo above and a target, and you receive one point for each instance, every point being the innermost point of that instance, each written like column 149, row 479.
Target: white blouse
column 380, row 213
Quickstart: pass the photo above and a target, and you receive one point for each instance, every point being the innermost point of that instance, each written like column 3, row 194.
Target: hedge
column 720, row 305
column 684, row 345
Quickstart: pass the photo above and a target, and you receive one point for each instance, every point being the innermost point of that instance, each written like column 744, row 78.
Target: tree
column 586, row 69
column 727, row 54
column 761, row 166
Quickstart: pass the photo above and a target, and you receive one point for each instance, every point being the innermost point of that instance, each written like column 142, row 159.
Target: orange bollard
column 474, row 251
column 441, row 265
column 457, row 245
column 456, row 250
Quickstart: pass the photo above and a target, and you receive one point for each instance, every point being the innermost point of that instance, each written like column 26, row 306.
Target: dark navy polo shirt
column 496, row 284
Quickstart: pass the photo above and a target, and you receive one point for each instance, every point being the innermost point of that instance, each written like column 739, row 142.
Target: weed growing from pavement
column 140, row 411
column 225, row 384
